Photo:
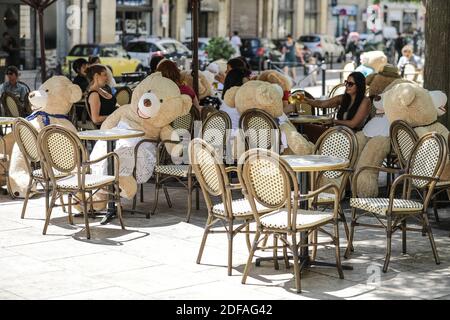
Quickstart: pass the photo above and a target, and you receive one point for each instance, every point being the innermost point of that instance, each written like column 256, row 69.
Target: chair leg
column 142, row 193
column 91, row 204
column 388, row 244
column 49, row 212
column 166, row 194
column 133, row 207
column 250, row 257
column 155, row 203
column 337, row 249
column 314, row 239
column 286, row 258
column 297, row 274
column 344, row 221
column 350, row 247
column 197, row 198
column 70, row 208
column 230, row 246
column 189, row 200
column 430, row 236
column 435, row 211
column 275, row 252
column 247, row 235
column 119, row 206
column 404, row 236
column 63, row 207
column 85, row 214
column 205, row 235
column 27, row 196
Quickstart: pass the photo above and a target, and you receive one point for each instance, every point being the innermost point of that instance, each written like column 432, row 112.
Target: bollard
column 324, row 71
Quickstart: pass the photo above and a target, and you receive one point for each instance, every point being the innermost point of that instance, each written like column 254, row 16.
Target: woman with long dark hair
column 234, row 78
column 354, row 106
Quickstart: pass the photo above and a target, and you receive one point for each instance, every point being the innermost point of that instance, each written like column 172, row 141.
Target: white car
column 145, row 49
column 202, row 53
column 323, row 46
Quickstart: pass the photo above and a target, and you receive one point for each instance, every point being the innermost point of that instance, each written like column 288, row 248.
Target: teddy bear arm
column 113, row 119
column 296, row 142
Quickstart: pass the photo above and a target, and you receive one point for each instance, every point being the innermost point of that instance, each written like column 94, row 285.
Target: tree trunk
column 437, row 49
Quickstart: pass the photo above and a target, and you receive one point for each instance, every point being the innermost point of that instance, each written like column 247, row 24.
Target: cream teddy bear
column 284, row 82
column 156, row 102
column 372, row 61
column 50, row 105
column 268, row 97
column 414, row 105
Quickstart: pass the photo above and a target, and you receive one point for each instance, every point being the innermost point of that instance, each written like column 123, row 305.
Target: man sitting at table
column 80, row 66
column 12, row 85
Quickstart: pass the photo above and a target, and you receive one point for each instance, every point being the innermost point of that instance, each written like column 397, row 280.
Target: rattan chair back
column 215, row 130
column 260, row 130
column 338, row 142
column 62, row 150
column 185, row 122
column 210, row 173
column 26, row 136
column 270, row 181
column 206, row 111
column 428, row 159
column 123, row 96
column 12, row 105
column 403, row 140
column 337, row 90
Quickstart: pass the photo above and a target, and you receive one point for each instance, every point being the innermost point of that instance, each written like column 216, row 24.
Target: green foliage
column 219, row 48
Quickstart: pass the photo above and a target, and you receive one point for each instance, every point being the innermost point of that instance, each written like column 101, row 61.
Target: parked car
column 202, row 52
column 323, row 46
column 144, row 49
column 111, row 55
column 257, row 50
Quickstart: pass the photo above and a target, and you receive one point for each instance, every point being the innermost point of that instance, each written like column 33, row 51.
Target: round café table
column 311, row 164
column 301, row 120
column 110, row 136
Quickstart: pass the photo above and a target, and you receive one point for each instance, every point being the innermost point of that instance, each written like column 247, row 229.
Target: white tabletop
column 315, row 163
column 110, row 134
column 6, row 121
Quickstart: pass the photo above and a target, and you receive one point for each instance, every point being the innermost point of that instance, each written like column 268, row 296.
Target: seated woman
column 354, row 106
column 100, row 102
column 234, row 78
column 170, row 70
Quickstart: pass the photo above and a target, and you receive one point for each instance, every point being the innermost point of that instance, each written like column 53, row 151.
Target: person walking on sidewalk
column 290, row 57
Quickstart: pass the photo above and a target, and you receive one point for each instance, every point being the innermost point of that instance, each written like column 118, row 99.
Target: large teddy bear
column 414, row 105
column 284, row 82
column 373, row 139
column 204, row 86
column 50, row 105
column 156, row 102
column 372, row 61
column 268, row 97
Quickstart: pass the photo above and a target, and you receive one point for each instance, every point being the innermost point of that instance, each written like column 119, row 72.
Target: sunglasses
column 349, row 84
column 10, row 73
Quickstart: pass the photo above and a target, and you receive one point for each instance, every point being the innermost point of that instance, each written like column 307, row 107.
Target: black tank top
column 107, row 106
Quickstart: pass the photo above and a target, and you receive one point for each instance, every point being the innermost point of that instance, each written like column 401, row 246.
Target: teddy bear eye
column 149, row 91
column 161, row 100
column 46, row 90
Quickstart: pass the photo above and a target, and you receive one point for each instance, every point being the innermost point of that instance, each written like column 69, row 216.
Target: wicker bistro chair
column 12, row 106
column 424, row 167
column 63, row 151
column 167, row 174
column 337, row 90
column 26, row 137
column 403, row 139
column 338, row 142
column 257, row 127
column 123, row 96
column 215, row 131
column 205, row 111
column 270, row 182
column 213, row 179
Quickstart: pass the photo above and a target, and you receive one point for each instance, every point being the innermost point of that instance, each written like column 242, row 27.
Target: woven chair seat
column 240, row 207
column 380, row 205
column 173, row 170
column 91, row 181
column 40, row 175
column 306, row 219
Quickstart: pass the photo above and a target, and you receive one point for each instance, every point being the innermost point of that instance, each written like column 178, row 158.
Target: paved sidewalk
column 155, row 259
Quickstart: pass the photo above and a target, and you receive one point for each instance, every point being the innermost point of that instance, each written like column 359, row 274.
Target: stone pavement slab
column 156, row 259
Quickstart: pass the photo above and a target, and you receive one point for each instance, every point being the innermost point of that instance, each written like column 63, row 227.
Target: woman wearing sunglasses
column 354, row 106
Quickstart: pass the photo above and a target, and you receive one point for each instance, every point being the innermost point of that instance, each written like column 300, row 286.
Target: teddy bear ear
column 269, row 94
column 230, row 97
column 406, row 95
column 75, row 93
